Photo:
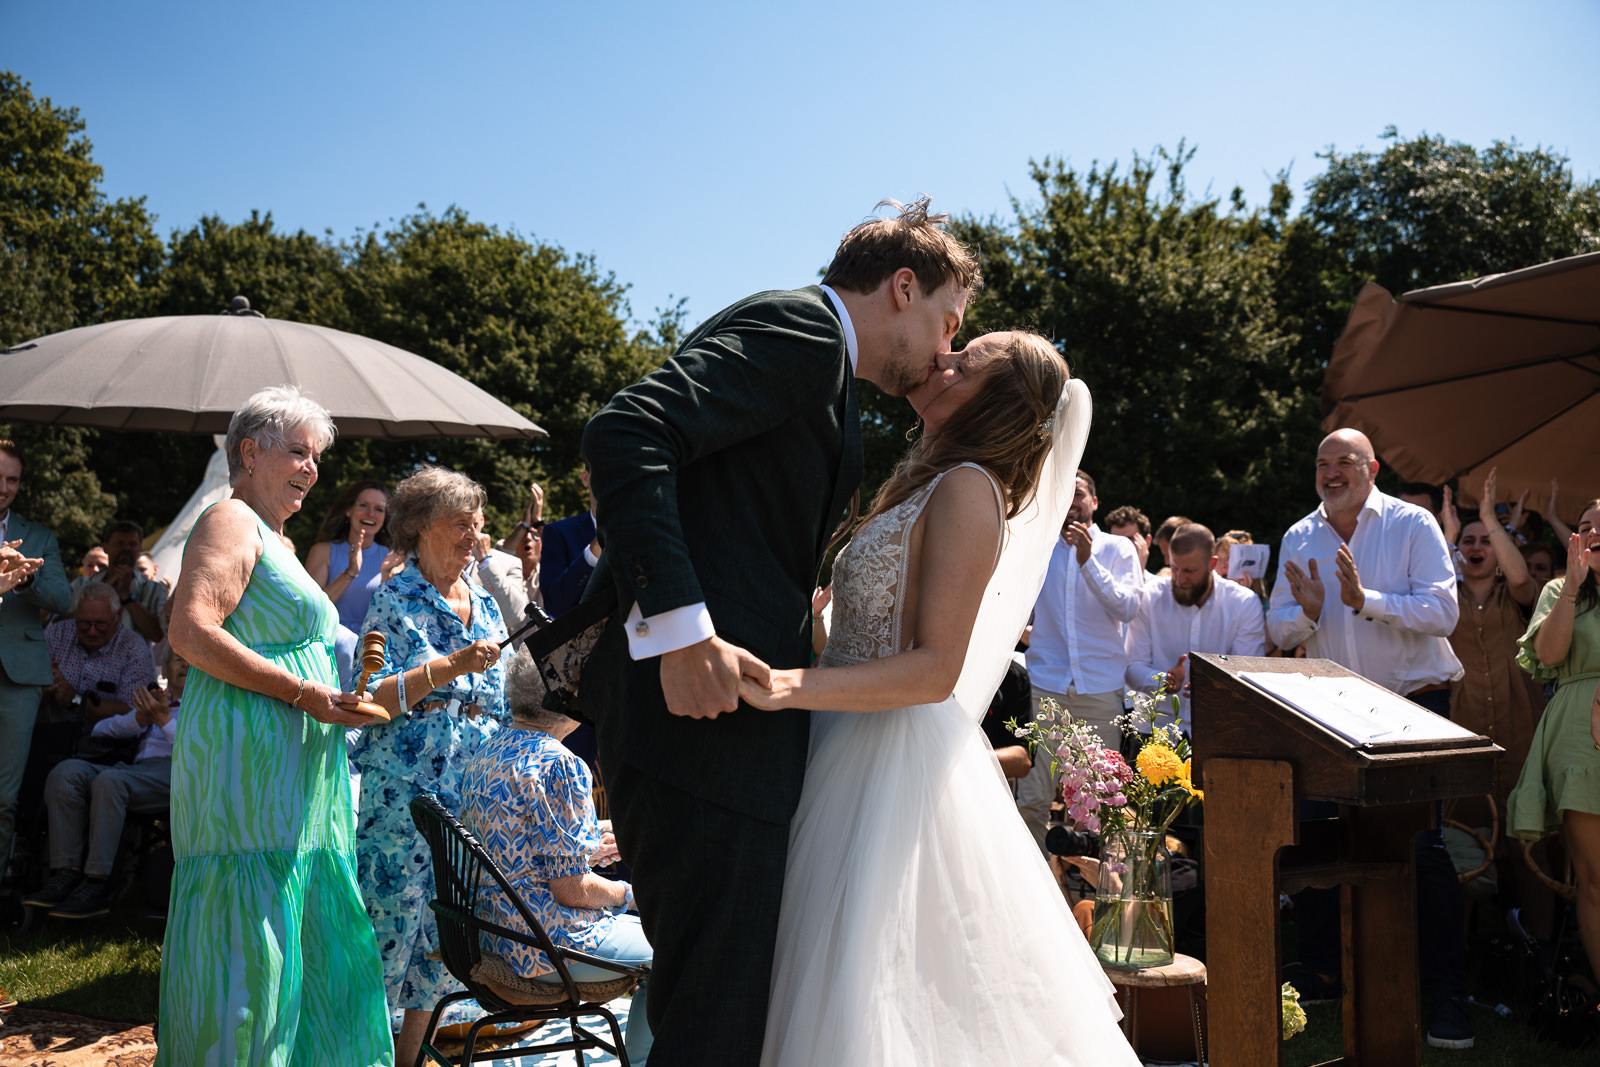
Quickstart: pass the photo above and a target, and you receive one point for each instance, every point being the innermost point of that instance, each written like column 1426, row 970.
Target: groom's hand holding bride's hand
column 771, row 693
column 702, row 680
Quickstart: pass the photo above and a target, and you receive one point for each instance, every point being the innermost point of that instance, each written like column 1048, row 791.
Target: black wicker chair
column 459, row 867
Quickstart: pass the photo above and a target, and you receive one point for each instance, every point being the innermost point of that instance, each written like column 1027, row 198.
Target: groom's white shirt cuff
column 669, row 631
column 691, row 624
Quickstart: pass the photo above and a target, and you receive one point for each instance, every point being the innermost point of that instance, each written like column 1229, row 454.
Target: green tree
column 1424, row 211
column 1430, row 211
column 1163, row 305
column 68, row 257
column 299, row 277
column 542, row 331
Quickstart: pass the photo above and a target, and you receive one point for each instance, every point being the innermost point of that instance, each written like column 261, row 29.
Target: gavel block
column 371, row 662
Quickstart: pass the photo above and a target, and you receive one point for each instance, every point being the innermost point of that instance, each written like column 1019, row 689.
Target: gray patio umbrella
column 1501, row 371
column 189, row 373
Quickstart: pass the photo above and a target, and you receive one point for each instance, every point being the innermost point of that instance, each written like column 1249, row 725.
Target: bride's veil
column 1025, row 556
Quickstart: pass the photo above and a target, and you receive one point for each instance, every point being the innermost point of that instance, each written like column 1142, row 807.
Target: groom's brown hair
column 871, row 252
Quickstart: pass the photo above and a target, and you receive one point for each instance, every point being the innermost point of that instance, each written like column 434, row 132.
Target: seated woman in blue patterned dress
column 528, row 801
column 443, row 684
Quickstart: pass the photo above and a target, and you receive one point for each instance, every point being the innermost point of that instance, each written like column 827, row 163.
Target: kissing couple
column 827, row 863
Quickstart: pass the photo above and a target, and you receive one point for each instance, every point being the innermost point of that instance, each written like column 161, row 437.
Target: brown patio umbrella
column 1501, row 371
column 189, row 373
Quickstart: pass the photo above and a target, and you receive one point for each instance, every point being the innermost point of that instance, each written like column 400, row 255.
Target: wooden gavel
column 371, row 661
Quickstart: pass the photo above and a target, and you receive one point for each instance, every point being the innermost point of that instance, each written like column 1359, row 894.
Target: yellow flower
column 1159, row 764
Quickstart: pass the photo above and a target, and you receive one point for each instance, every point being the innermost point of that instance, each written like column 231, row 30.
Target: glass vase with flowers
column 1131, row 808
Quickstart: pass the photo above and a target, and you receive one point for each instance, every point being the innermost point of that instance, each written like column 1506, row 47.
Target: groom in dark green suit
column 718, row 480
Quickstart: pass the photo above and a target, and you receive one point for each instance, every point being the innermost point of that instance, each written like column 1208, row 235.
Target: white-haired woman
column 269, row 958
column 443, row 683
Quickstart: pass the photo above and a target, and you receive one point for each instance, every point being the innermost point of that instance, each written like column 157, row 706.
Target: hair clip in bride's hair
column 1047, row 427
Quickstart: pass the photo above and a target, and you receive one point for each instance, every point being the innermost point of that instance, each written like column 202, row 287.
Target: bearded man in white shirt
column 1366, row 581
column 1191, row 611
column 1077, row 648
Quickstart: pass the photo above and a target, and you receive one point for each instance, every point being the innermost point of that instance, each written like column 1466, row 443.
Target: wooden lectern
column 1257, row 757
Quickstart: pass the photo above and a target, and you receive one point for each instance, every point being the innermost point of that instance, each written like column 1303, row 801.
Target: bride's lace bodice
column 869, row 582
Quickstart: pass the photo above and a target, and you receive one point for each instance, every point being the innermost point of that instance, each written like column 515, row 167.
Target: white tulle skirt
column 920, row 925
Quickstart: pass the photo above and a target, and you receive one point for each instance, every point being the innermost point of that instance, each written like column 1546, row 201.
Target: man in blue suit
column 567, row 557
column 24, row 659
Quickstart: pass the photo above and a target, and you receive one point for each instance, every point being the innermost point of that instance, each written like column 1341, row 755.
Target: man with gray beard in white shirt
column 1366, row 581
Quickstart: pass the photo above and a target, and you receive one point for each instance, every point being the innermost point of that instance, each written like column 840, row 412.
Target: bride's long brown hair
column 1001, row 428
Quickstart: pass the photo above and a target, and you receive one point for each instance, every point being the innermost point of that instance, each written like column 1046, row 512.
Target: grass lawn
column 109, row 968
column 1501, row 1043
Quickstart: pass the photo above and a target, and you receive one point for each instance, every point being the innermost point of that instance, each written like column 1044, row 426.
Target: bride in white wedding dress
column 920, row 925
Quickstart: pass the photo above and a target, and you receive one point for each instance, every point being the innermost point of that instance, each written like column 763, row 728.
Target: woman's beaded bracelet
column 298, row 693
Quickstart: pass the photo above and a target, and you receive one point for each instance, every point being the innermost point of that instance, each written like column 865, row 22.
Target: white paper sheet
column 1249, row 561
column 1356, row 709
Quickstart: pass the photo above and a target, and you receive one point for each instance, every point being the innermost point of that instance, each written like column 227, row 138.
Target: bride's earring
column 915, row 431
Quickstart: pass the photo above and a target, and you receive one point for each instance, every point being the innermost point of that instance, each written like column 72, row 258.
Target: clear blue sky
column 714, row 149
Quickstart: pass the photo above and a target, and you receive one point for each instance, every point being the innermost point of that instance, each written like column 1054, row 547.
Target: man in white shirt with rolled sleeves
column 1076, row 650
column 1191, row 610
column 1366, row 580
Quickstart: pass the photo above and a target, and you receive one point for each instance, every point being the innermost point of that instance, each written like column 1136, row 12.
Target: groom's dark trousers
column 717, row 480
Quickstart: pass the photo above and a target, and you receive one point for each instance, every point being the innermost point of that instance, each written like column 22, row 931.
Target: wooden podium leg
column 1381, row 1013
column 1250, row 815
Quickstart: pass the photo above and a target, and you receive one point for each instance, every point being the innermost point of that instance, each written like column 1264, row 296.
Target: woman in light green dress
column 1560, row 784
column 269, row 957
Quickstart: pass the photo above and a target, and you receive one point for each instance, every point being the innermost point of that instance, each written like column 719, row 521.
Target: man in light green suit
column 24, row 659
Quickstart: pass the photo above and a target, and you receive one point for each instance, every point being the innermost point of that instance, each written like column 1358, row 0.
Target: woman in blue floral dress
column 442, row 681
column 529, row 802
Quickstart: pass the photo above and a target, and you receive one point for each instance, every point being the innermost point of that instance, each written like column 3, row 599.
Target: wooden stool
column 1182, row 971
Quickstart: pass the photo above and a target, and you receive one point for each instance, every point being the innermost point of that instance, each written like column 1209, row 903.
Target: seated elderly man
column 97, row 663
column 1191, row 610
column 141, row 598
column 88, row 803
column 528, row 799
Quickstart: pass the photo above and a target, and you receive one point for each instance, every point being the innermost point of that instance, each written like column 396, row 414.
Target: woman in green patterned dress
column 1559, row 788
column 269, row 957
